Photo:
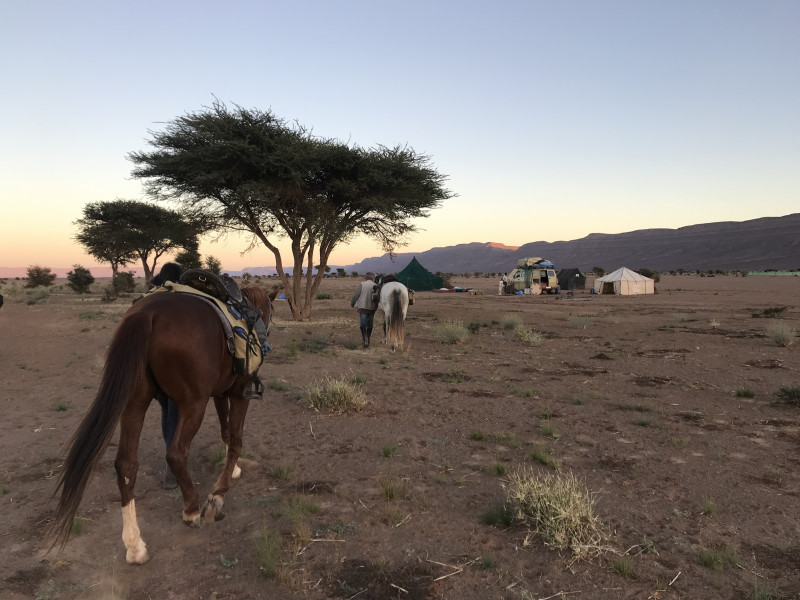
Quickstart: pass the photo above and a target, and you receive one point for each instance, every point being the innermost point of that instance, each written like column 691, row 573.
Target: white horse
column 394, row 304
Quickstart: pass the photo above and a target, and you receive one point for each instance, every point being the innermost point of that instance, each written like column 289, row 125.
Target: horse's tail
column 125, row 371
column 396, row 331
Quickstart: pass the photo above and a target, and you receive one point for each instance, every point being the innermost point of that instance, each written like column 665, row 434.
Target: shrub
column 790, row 395
column 337, row 395
column 324, row 296
column 511, row 322
column 79, row 279
column 39, row 276
column 124, row 282
column 452, row 332
column 744, row 393
column 37, row 295
column 559, row 509
column 782, row 334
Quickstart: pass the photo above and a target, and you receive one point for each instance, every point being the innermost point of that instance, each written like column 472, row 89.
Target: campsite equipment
column 417, row 277
column 167, row 344
column 624, row 282
column 533, row 275
column 571, row 279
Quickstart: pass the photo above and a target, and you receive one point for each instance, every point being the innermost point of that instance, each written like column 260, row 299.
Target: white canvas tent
column 624, row 282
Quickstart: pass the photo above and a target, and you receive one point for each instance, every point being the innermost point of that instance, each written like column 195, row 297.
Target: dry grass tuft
column 529, row 336
column 452, row 332
column 782, row 334
column 339, row 395
column 559, row 509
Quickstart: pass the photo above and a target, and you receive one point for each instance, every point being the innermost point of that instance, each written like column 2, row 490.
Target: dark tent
column 418, row 278
column 571, row 279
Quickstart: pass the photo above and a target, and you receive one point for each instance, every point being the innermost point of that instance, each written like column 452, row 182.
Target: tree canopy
column 120, row 231
column 247, row 170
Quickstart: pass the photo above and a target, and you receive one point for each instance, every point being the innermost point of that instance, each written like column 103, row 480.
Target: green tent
column 418, row 278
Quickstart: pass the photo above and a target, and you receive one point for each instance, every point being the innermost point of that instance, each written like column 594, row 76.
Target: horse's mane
column 257, row 297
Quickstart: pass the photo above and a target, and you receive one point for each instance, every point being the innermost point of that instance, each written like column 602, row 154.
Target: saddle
column 380, row 280
column 222, row 288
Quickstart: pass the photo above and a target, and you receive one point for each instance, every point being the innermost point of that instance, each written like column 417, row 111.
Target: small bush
column 559, row 509
column 782, row 334
column 337, row 395
column 39, row 276
column 124, row 282
column 511, row 322
column 452, row 332
column 79, row 279
column 744, row 393
column 324, row 296
column 790, row 395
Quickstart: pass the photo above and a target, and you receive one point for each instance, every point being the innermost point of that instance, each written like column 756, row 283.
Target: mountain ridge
column 756, row 244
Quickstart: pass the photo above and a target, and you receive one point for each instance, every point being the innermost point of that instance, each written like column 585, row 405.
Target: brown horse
column 170, row 344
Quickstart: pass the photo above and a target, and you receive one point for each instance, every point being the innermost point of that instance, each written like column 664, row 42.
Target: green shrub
column 124, row 282
column 39, row 277
column 79, row 279
column 744, row 393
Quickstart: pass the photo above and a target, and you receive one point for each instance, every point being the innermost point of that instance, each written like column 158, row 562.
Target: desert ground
column 667, row 408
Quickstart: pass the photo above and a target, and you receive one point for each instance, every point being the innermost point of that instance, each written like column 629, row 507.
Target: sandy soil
column 636, row 396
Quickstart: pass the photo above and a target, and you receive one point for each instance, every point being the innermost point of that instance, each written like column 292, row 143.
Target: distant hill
column 766, row 243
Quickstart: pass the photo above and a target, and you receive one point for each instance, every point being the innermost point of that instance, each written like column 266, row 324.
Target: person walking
column 366, row 305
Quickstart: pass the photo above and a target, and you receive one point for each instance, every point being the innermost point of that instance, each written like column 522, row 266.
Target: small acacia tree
column 80, row 279
column 249, row 171
column 121, row 231
column 39, row 276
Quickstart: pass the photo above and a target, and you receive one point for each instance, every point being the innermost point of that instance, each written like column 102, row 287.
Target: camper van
column 533, row 275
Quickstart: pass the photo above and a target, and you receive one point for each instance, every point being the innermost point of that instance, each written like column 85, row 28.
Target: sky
column 551, row 119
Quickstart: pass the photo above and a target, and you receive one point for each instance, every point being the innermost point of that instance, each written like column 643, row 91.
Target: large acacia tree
column 120, row 231
column 247, row 170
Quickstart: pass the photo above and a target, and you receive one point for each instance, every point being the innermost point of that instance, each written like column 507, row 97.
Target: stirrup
column 254, row 389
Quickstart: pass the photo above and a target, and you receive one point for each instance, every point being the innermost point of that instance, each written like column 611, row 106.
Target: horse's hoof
column 237, row 472
column 192, row 519
column 212, row 511
column 138, row 555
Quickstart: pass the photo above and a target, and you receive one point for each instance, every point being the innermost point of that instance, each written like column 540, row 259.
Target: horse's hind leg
column 190, row 416
column 237, row 412
column 127, row 465
column 221, row 403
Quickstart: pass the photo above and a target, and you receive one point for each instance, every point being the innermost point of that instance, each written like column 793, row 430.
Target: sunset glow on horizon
column 551, row 120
